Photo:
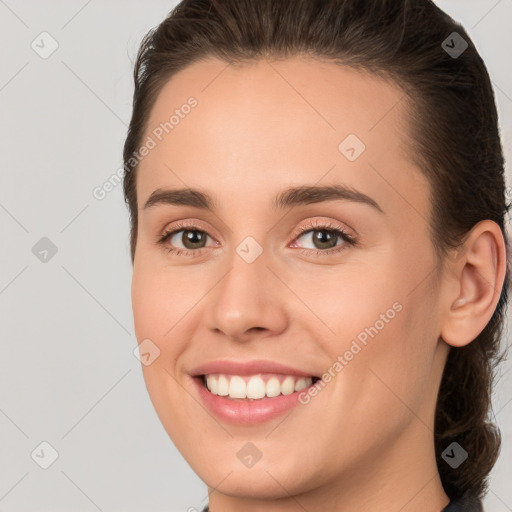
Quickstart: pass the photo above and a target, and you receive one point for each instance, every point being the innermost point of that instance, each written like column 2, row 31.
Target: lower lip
column 247, row 412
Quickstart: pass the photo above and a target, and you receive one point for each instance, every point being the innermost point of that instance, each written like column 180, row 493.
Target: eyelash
column 314, row 226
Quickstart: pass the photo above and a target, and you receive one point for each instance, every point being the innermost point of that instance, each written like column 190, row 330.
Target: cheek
column 165, row 305
column 157, row 310
column 148, row 304
column 379, row 328
column 159, row 301
column 356, row 303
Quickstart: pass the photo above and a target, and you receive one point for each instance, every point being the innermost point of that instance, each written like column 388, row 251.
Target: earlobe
column 474, row 285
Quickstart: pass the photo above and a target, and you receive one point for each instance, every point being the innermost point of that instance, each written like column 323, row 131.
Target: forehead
column 275, row 123
column 327, row 98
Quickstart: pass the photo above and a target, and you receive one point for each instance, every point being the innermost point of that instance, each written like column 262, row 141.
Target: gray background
column 68, row 375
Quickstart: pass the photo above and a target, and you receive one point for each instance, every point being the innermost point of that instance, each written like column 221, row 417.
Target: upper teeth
column 254, row 387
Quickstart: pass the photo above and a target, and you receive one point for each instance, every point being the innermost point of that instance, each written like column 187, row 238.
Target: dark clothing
column 470, row 504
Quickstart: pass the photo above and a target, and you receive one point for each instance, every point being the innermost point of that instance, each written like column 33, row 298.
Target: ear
column 472, row 284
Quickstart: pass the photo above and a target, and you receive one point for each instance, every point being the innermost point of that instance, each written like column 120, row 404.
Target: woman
column 316, row 193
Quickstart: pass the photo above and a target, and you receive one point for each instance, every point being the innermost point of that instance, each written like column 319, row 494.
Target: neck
column 400, row 477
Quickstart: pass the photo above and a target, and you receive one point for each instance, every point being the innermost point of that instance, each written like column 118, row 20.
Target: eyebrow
column 291, row 197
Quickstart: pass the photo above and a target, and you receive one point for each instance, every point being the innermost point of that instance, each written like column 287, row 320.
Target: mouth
column 254, row 387
column 251, row 393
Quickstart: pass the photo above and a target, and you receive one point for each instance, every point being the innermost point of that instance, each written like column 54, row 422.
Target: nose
column 249, row 301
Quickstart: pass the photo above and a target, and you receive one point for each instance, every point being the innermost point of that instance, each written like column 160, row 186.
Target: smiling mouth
column 254, row 387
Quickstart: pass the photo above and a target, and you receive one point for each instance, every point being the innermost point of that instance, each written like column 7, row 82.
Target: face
column 335, row 284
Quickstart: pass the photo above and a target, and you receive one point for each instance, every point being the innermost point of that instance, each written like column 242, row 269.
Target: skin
column 365, row 442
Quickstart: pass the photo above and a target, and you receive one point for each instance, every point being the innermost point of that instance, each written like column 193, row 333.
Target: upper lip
column 247, row 368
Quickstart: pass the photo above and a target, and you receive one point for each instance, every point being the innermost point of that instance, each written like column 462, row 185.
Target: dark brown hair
column 455, row 142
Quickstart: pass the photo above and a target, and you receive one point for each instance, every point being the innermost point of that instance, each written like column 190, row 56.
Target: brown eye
column 184, row 240
column 324, row 239
column 193, row 239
